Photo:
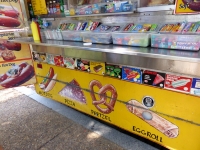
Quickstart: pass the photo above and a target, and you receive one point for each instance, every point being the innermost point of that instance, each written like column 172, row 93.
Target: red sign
column 178, row 83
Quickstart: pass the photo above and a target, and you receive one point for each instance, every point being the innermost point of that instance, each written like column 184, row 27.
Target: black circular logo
column 148, row 101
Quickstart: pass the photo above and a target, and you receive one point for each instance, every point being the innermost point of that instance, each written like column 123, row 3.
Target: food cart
column 147, row 83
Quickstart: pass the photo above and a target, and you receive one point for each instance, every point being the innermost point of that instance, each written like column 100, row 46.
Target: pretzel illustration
column 103, row 96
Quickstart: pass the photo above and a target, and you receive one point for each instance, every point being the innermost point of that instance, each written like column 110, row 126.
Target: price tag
column 39, row 7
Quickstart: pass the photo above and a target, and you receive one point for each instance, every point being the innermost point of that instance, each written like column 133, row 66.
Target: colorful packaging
column 110, row 8
column 94, row 26
column 196, row 26
column 71, row 26
column 182, row 27
column 195, row 89
column 153, row 27
column 64, row 26
column 83, row 26
column 146, row 27
column 163, row 29
column 176, row 27
column 169, row 27
column 132, row 74
column 128, row 27
column 153, row 78
column 178, row 83
column 187, row 27
column 115, row 28
column 132, row 28
column 89, row 25
column 103, row 28
column 95, row 9
column 113, row 71
column 192, row 26
column 138, row 27
column 78, row 26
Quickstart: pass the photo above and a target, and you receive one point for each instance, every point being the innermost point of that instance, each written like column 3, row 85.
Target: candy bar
column 78, row 26
column 146, row 27
column 187, row 27
column 115, row 28
column 89, row 25
column 94, row 26
column 83, row 26
column 153, row 27
column 128, row 27
column 182, row 27
column 138, row 27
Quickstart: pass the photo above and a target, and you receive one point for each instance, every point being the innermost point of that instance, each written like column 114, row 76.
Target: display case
column 131, row 39
column 176, row 41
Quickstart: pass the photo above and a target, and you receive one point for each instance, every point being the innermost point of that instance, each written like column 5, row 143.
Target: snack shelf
column 137, row 51
column 90, row 15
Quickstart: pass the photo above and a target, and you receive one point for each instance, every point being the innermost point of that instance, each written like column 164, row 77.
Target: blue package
column 195, row 89
column 119, row 5
column 127, row 7
column 132, row 74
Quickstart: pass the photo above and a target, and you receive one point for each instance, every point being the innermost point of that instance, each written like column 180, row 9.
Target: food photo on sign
column 10, row 15
column 13, row 74
column 8, row 50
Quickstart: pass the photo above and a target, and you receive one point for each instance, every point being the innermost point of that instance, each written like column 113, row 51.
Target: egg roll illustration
column 164, row 126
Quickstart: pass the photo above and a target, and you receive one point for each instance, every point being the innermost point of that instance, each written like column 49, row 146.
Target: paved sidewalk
column 31, row 122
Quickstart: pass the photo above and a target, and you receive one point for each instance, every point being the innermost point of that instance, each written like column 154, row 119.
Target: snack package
column 71, row 26
column 187, row 27
column 103, row 27
column 110, row 8
column 94, row 25
column 89, row 25
column 95, row 9
column 83, row 26
column 146, row 27
column 182, row 27
column 128, row 27
column 138, row 28
column 115, row 28
column 176, row 27
column 153, row 27
column 78, row 26
column 196, row 26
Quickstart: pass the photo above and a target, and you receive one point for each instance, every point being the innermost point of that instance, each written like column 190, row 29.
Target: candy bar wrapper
column 64, row 26
column 153, row 27
column 71, row 26
column 128, row 27
column 59, row 61
column 103, row 27
column 182, row 27
column 153, row 78
column 158, row 122
column 94, row 26
column 187, row 27
column 132, row 74
column 89, row 25
column 176, row 28
column 138, row 28
column 113, row 71
column 115, row 28
column 132, row 28
column 50, row 59
column 178, row 83
column 146, row 27
column 78, row 26
column 169, row 27
column 196, row 27
column 192, row 26
column 83, row 26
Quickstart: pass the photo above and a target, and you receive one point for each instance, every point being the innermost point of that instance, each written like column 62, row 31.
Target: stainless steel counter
column 174, row 61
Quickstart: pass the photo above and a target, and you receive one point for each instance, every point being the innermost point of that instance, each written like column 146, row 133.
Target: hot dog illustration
column 192, row 4
column 10, row 13
column 49, row 81
column 9, row 22
column 17, row 75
